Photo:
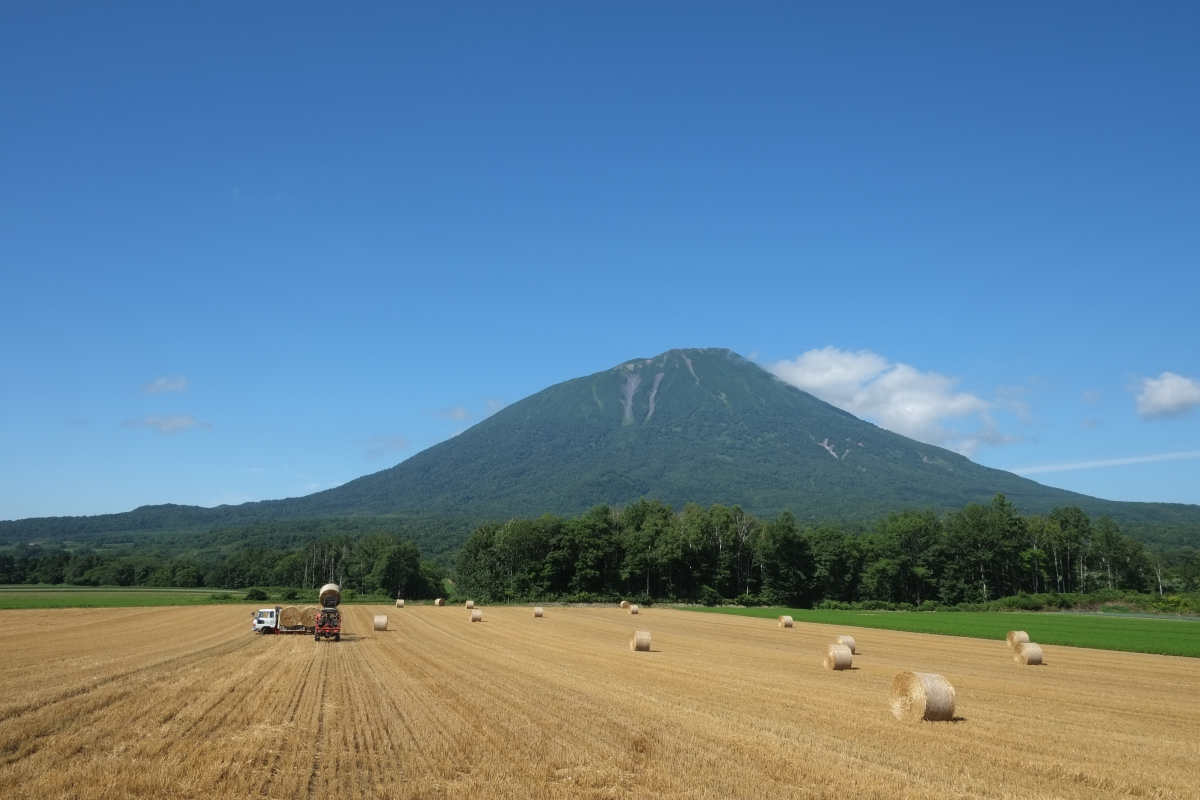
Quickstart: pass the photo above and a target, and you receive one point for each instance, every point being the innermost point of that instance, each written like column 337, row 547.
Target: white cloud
column 172, row 424
column 1168, row 395
column 379, row 446
column 1106, row 462
column 457, row 413
column 493, row 406
column 176, row 383
column 901, row 398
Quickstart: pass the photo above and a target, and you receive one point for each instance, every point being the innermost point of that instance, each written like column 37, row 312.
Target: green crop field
column 1174, row 637
column 103, row 597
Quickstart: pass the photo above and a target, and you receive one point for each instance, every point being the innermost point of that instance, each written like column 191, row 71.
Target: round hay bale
column 640, row 641
column 849, row 642
column 1016, row 638
column 439, row 602
column 469, row 604
column 537, row 611
column 308, row 617
column 624, row 604
column 633, row 609
column 381, row 622
column 476, row 615
column 289, row 617
column 922, row 695
column 785, row 621
column 838, row 656
column 399, row 603
column 1029, row 654
column 329, row 592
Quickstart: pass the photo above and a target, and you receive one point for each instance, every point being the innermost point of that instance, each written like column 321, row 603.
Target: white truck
column 283, row 619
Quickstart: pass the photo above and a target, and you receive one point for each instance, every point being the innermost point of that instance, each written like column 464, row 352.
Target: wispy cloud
column 456, row 413
column 176, row 383
column 901, row 398
column 171, row 424
column 493, row 406
column 1106, row 462
column 1168, row 395
column 379, row 446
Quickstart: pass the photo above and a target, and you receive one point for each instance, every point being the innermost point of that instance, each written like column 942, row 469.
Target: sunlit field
column 187, row 702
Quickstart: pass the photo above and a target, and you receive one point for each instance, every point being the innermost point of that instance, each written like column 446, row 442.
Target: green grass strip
column 19, row 597
column 1171, row 637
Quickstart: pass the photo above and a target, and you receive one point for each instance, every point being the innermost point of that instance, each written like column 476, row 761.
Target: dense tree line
column 973, row 555
column 373, row 563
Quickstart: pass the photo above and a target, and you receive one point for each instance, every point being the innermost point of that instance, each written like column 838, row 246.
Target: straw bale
column 469, row 604
column 537, row 611
column 476, row 615
column 922, row 695
column 289, row 617
column 1028, row 653
column 785, row 621
column 439, row 602
column 308, row 617
column 838, row 656
column 640, row 641
column 849, row 642
column 624, row 604
column 633, row 609
column 381, row 622
column 1016, row 638
column 329, row 591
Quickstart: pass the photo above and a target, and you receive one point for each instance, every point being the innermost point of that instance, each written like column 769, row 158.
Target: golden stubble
column 186, row 702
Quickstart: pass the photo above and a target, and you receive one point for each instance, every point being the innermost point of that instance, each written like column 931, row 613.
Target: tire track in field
column 319, row 738
column 293, row 711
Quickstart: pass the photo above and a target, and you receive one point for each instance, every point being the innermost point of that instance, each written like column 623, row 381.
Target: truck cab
column 267, row 620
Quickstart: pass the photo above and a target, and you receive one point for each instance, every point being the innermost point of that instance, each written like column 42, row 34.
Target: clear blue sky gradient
column 355, row 230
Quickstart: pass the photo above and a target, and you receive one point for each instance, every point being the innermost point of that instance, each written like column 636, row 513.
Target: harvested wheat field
column 186, row 702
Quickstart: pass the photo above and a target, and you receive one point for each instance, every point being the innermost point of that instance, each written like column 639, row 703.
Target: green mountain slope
column 698, row 425
column 701, row 425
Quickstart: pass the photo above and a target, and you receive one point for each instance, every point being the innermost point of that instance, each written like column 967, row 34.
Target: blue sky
column 254, row 250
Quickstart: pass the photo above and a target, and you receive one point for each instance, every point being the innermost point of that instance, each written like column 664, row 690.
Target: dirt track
column 186, row 702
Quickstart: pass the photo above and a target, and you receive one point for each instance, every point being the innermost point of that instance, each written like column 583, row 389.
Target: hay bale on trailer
column 624, row 604
column 329, row 596
column 476, row 615
column 785, row 621
column 381, row 622
column 537, row 611
column 633, row 609
column 399, row 603
column 922, row 696
column 640, row 642
column 308, row 617
column 439, row 602
column 1028, row 654
column 1016, row 638
column 289, row 617
column 469, row 604
column 849, row 642
column 838, row 656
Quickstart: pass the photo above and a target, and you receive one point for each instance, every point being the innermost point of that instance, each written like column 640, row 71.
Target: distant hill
column 697, row 425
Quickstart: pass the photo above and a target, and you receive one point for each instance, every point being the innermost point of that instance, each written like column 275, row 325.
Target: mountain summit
column 699, row 425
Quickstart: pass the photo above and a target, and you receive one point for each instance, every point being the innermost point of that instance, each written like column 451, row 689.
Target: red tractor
column 329, row 619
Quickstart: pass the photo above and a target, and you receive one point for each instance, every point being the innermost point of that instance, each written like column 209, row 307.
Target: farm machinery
column 324, row 622
column 329, row 619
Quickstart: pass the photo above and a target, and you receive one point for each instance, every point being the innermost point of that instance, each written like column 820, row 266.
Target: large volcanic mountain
column 697, row 425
